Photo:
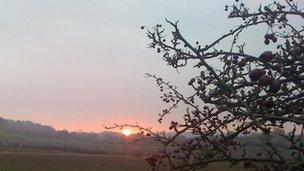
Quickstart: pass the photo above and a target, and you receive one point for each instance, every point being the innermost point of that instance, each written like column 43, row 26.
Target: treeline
column 35, row 129
column 29, row 135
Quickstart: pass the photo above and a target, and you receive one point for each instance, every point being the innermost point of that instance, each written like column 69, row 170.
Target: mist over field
column 29, row 144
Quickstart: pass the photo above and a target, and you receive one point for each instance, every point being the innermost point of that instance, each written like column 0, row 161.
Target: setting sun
column 126, row 132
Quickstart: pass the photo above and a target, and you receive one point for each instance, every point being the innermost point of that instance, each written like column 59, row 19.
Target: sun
column 126, row 132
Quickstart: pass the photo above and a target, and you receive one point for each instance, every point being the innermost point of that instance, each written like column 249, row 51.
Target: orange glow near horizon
column 98, row 127
column 126, row 132
column 91, row 126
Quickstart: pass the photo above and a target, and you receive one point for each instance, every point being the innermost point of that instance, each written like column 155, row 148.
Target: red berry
column 275, row 86
column 277, row 67
column 266, row 56
column 269, row 104
column 267, row 36
column 265, row 80
column 256, row 74
column 266, row 41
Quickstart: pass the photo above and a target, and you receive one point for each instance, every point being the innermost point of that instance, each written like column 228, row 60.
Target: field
column 59, row 161
column 69, row 161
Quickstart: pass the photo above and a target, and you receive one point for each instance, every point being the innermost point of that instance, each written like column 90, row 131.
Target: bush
column 244, row 94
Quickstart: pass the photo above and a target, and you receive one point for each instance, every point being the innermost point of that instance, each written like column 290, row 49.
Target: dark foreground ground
column 59, row 161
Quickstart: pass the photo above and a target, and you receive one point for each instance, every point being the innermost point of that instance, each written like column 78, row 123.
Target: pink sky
column 80, row 64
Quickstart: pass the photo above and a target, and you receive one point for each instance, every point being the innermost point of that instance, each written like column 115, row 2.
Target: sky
column 81, row 64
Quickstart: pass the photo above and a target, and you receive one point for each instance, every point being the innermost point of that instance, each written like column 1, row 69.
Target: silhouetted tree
column 243, row 94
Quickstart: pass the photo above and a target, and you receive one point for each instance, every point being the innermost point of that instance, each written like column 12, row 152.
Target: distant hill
column 27, row 134
column 25, row 127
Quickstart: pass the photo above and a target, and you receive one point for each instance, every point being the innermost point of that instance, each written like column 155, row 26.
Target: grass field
column 59, row 161
column 68, row 161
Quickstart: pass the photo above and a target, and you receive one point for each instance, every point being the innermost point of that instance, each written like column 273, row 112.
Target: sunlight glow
column 126, row 132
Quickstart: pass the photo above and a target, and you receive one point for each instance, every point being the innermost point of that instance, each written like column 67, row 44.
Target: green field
column 59, row 161
column 68, row 161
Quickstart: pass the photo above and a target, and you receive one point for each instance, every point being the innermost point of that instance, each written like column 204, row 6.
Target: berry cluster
column 269, row 37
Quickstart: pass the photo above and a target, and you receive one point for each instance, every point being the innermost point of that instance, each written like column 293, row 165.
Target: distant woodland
column 28, row 135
